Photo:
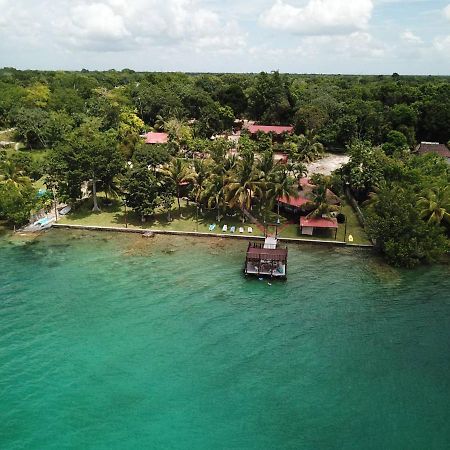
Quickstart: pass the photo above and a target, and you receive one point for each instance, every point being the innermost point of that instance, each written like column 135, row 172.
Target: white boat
column 65, row 210
column 42, row 224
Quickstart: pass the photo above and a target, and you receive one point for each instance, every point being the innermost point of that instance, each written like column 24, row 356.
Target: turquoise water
column 118, row 342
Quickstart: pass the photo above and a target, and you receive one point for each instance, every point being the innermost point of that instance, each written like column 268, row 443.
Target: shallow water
column 114, row 342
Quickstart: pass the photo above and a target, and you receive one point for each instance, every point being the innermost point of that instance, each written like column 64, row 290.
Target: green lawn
column 114, row 216
column 36, row 155
column 8, row 136
column 185, row 220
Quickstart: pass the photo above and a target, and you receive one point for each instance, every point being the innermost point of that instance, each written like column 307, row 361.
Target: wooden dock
column 266, row 259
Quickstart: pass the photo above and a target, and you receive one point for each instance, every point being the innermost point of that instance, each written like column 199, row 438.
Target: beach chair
column 225, row 228
column 241, row 229
column 212, row 227
column 250, row 229
column 232, row 229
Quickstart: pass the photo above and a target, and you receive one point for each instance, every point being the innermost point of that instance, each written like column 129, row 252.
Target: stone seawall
column 200, row 234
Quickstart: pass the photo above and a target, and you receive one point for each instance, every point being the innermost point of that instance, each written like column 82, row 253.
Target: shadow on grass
column 188, row 219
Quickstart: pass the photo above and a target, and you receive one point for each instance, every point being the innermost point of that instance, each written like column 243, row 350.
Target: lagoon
column 113, row 341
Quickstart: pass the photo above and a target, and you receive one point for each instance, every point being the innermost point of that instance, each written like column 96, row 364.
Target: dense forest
column 43, row 105
column 87, row 125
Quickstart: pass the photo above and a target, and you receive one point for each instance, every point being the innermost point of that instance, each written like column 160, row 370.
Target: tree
column 56, row 127
column 270, row 100
column 297, row 169
column 243, row 184
column 166, row 193
column 13, row 174
column 434, row 114
column 434, row 205
column 129, row 130
column 200, row 177
column 141, row 188
column 17, row 195
column 108, row 105
column 232, row 95
column 364, row 170
column 178, row 172
column 16, row 202
column 214, row 118
column 396, row 142
column 215, row 192
column 31, row 124
column 87, row 154
column 151, row 156
column 310, row 117
column 179, row 132
column 308, row 147
column 400, row 234
column 37, row 95
column 282, row 185
column 319, row 204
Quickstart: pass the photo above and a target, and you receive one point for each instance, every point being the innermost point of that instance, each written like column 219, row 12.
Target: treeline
column 44, row 105
column 406, row 199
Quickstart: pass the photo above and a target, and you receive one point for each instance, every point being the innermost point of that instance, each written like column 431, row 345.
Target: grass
column 36, row 155
column 39, row 184
column 185, row 220
column 7, row 135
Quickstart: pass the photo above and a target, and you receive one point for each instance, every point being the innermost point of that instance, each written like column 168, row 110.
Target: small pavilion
column 266, row 259
column 308, row 225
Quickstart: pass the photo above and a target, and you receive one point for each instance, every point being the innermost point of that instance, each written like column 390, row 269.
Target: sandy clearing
column 328, row 164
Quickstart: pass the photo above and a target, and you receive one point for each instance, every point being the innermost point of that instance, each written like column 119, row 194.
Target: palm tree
column 321, row 206
column 200, row 178
column 244, row 183
column 309, row 148
column 160, row 123
column 214, row 192
column 178, row 172
column 11, row 174
column 112, row 187
column 374, row 196
column 282, row 185
column 434, row 205
column 297, row 169
column 265, row 165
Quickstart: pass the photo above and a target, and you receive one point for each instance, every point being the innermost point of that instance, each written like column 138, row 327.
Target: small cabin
column 434, row 147
column 309, row 225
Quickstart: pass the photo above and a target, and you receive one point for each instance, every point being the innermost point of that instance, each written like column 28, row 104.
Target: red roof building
column 308, row 225
column 156, row 138
column 275, row 129
column 318, row 222
column 294, row 202
column 433, row 147
column 305, row 195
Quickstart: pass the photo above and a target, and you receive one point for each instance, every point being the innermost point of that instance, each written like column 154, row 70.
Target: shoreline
column 201, row 234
